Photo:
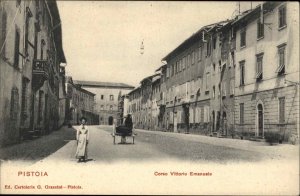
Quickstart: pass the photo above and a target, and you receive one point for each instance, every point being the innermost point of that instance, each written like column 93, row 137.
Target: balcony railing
column 40, row 72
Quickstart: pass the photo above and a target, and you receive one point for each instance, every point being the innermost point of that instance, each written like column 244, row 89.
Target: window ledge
column 283, row 27
column 242, row 47
column 259, row 38
column 281, row 75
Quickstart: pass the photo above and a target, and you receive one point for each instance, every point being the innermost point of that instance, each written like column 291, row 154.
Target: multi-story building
column 156, row 98
column 267, row 70
column 62, row 98
column 48, row 56
column 235, row 77
column 143, row 103
column 122, row 109
column 31, row 53
column 106, row 98
column 192, row 78
column 80, row 103
column 134, row 106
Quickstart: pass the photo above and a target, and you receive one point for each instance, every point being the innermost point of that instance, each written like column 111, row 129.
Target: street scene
column 148, row 146
column 154, row 156
column 149, row 87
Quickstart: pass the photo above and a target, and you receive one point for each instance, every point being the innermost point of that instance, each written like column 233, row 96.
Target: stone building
column 234, row 77
column 134, row 106
column 80, row 103
column 62, row 98
column 48, row 57
column 156, row 97
column 143, row 103
column 30, row 56
column 122, row 108
column 106, row 98
column 193, row 81
column 267, row 71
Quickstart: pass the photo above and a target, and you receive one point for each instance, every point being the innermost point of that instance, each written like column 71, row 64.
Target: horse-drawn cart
column 114, row 135
column 123, row 132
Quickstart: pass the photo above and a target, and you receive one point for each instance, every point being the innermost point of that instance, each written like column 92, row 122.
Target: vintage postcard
column 149, row 97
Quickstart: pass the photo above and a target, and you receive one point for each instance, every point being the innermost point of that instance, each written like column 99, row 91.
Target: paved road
column 131, row 169
column 151, row 145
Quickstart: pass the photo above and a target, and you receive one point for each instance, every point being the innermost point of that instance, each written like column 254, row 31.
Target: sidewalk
column 282, row 150
column 37, row 149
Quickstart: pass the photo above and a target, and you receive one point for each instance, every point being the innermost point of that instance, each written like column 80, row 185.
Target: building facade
column 31, row 53
column 194, row 78
column 238, row 77
column 80, row 103
column 106, row 98
column 62, row 98
column 267, row 73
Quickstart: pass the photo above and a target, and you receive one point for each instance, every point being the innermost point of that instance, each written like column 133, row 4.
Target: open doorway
column 110, row 120
column 260, row 119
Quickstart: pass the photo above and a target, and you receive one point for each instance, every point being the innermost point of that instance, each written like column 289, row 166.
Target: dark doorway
column 218, row 121
column 260, row 120
column 186, row 109
column 224, row 123
column 213, row 121
column 110, row 120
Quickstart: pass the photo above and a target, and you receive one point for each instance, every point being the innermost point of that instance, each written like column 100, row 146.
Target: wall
column 272, row 86
column 106, row 112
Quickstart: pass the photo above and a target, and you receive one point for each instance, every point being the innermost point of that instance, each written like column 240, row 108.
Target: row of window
column 111, row 97
column 260, row 26
column 185, row 62
column 281, row 111
column 3, row 39
column 280, row 70
column 111, row 107
column 223, row 89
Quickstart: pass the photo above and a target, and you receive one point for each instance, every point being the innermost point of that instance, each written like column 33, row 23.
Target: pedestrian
column 82, row 137
column 126, row 129
column 128, row 122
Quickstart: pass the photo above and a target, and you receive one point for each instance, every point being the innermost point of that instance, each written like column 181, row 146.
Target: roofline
column 150, row 77
column 191, row 37
column 161, row 67
column 137, row 88
column 57, row 30
column 78, row 87
column 79, row 82
column 247, row 16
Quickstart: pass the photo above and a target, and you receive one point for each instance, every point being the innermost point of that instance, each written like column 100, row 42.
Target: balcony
column 40, row 73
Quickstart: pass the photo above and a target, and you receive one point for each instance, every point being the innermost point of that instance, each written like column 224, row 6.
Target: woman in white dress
column 82, row 137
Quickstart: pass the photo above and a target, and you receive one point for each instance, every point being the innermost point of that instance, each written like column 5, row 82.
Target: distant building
column 80, row 103
column 106, row 98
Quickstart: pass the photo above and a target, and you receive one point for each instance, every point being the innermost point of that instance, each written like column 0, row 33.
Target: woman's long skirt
column 81, row 152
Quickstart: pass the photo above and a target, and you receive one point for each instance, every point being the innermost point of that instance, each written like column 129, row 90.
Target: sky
column 102, row 40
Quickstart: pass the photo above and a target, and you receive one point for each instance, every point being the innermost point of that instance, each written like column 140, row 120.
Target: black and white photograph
column 149, row 97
